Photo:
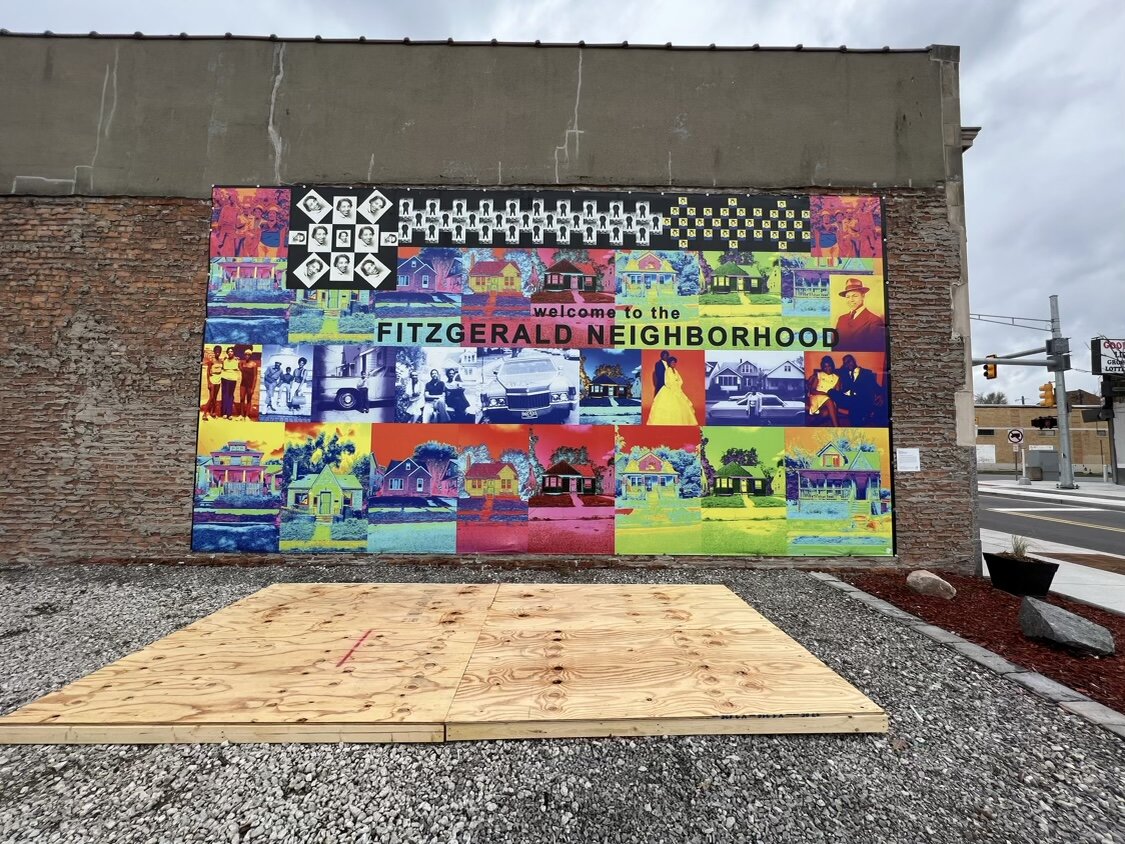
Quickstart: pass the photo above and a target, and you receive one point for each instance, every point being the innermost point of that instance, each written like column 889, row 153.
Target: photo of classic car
column 756, row 409
column 351, row 380
column 530, row 386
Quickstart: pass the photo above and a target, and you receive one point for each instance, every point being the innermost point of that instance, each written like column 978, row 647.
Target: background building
column 111, row 146
column 1089, row 441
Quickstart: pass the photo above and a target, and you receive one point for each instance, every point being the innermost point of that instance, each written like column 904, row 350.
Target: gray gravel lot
column 969, row 757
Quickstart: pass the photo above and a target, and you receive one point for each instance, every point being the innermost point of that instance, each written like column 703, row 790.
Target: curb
column 1062, row 696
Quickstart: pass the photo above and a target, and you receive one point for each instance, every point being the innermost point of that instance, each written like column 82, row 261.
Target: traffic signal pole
column 1057, row 360
column 1066, row 468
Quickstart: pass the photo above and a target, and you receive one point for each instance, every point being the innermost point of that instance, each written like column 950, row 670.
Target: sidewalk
column 1090, row 490
column 1093, row 586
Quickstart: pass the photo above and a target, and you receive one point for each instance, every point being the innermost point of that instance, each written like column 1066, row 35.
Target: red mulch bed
column 990, row 618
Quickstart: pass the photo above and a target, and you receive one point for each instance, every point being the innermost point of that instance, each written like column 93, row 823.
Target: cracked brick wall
column 103, row 328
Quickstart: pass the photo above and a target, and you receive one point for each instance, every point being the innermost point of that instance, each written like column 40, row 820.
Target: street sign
column 1107, row 356
column 1015, row 436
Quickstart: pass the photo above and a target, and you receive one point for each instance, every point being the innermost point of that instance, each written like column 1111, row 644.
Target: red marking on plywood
column 354, row 648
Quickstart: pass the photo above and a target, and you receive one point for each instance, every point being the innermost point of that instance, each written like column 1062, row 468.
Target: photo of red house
column 564, row 478
column 566, row 275
column 573, row 503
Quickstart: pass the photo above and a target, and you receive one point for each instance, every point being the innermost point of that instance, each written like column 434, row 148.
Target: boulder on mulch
column 927, row 583
column 1043, row 621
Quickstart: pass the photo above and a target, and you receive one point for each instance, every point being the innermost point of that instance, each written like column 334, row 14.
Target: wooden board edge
column 472, row 652
column 868, row 722
column 216, row 733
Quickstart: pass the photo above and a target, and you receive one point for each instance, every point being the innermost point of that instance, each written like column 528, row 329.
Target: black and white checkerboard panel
column 341, row 237
column 347, row 237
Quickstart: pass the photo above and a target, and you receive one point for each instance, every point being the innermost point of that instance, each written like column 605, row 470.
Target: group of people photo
column 287, row 384
column 487, row 385
column 442, row 395
column 229, row 382
column 847, row 394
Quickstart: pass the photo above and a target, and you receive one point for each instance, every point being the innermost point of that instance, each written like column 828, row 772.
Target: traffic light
column 1047, row 395
column 990, row 369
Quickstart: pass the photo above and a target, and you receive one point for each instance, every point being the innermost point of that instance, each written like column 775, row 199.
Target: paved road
column 1097, row 527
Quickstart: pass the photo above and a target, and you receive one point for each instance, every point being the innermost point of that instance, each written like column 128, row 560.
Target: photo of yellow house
column 647, row 274
column 495, row 277
column 646, row 473
column 499, row 479
column 326, row 495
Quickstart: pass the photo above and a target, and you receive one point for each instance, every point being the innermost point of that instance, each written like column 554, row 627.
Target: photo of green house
column 329, row 475
column 325, row 495
column 743, row 474
column 733, row 479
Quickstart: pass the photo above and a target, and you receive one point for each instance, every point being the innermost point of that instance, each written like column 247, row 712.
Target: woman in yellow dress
column 671, row 406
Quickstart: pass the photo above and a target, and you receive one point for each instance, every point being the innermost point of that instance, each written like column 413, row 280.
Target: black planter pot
column 1020, row 577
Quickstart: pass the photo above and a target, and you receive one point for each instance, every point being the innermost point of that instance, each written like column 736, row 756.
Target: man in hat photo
column 860, row 330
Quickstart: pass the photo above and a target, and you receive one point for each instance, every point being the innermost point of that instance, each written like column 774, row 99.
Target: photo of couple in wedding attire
column 671, row 404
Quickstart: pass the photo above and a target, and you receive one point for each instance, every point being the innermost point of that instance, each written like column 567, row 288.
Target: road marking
column 1048, row 509
column 1070, row 522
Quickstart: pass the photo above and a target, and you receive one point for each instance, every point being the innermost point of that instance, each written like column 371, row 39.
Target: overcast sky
column 1045, row 182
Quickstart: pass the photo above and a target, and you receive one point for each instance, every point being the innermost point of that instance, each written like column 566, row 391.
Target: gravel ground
column 969, row 756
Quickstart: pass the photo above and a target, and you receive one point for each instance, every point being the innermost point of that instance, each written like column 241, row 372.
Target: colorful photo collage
column 312, row 395
column 574, row 489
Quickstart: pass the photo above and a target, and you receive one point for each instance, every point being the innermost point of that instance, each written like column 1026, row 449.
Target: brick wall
column 105, row 310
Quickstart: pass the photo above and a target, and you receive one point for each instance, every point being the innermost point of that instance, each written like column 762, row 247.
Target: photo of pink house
column 411, row 479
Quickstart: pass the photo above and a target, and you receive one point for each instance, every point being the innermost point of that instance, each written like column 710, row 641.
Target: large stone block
column 1040, row 620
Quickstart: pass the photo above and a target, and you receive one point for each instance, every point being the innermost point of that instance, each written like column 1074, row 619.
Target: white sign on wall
column 908, row 460
column 986, row 454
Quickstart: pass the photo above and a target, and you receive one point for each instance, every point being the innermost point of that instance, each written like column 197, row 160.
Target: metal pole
column 1114, row 475
column 1066, row 469
column 1036, row 351
column 1002, row 362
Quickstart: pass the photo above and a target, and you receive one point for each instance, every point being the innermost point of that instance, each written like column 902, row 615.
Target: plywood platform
column 434, row 662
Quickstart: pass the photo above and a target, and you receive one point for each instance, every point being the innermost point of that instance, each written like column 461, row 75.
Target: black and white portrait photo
column 366, row 239
column 374, row 206
column 341, row 269
column 343, row 210
column 311, row 271
column 319, row 238
column 314, row 205
column 298, row 238
column 371, row 269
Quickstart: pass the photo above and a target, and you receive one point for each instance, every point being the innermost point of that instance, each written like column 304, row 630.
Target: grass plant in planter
column 1015, row 572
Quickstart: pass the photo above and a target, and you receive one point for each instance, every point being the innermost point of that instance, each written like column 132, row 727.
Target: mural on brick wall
column 465, row 371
